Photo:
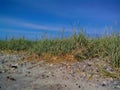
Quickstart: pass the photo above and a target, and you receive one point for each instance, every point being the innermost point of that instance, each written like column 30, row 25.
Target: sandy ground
column 42, row 76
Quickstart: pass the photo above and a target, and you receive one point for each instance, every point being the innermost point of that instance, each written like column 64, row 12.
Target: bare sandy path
column 41, row 76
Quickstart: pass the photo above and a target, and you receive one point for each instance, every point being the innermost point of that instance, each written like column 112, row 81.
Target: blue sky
column 34, row 18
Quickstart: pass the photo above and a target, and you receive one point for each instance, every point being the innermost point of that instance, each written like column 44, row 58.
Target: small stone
column 47, row 76
column 110, row 80
column 2, row 62
column 79, row 86
column 51, row 65
column 91, row 84
column 65, row 85
column 11, row 78
column 65, row 78
column 3, row 71
column 109, row 69
column 118, row 86
column 76, row 83
column 28, row 72
column 15, row 66
column 52, row 75
column 49, row 73
column 104, row 83
column 89, row 63
column 0, row 71
column 43, row 75
column 26, row 75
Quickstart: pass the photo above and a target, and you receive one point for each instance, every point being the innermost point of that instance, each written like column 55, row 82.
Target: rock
column 65, row 78
column 43, row 76
column 52, row 75
column 104, row 83
column 92, row 84
column 109, row 69
column 79, row 86
column 0, row 71
column 26, row 75
column 89, row 63
column 49, row 73
column 76, row 83
column 3, row 71
column 15, row 66
column 84, row 68
column 65, row 85
column 28, row 72
column 118, row 86
column 2, row 61
column 11, row 78
column 110, row 80
column 47, row 76
column 51, row 65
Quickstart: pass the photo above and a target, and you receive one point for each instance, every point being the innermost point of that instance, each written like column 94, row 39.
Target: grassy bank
column 80, row 46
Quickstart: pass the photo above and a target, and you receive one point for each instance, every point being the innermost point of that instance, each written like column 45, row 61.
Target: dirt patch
column 85, row 75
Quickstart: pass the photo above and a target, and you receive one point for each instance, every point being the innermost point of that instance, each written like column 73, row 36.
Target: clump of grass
column 79, row 45
column 15, row 44
column 54, row 47
column 110, row 74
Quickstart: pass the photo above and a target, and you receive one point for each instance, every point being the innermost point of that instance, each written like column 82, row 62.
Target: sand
column 45, row 76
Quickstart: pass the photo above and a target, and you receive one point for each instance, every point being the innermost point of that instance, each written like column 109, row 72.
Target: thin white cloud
column 19, row 23
column 16, row 31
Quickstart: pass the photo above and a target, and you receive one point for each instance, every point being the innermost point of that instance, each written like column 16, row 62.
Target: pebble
column 47, row 76
column 118, row 86
column 1, row 61
column 79, row 86
column 28, row 72
column 3, row 71
column 26, row 75
column 104, row 83
column 11, row 78
column 76, row 83
column 65, row 85
column 109, row 69
column 89, row 63
column 14, row 66
column 0, row 71
column 51, row 65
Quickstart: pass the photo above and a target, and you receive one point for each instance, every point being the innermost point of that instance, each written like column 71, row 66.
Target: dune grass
column 80, row 46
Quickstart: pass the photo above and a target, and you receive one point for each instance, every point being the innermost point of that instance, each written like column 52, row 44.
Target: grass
column 110, row 74
column 79, row 46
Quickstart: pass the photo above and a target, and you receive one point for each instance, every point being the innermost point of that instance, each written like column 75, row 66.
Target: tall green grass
column 79, row 45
